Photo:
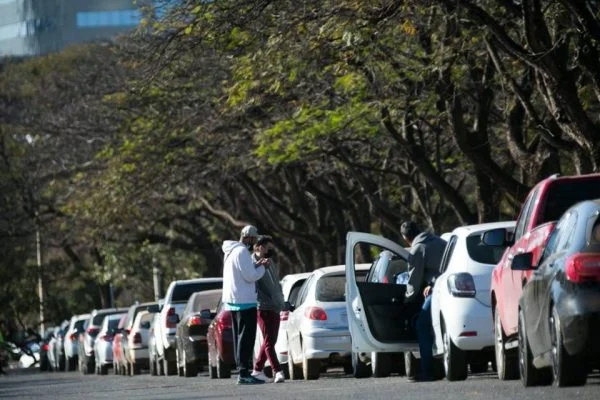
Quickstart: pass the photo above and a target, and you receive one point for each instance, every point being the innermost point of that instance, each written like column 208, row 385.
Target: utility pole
column 38, row 243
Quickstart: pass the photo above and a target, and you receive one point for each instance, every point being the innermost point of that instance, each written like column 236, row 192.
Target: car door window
column 566, row 235
column 448, row 253
column 553, row 241
column 304, row 291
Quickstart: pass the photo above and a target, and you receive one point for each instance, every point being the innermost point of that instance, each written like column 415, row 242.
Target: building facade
column 38, row 27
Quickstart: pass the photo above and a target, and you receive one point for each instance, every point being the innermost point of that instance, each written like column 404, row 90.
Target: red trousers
column 268, row 323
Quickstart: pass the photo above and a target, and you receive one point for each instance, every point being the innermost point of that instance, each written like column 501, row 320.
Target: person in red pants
column 270, row 304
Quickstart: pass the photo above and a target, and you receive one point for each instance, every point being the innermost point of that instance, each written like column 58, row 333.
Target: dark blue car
column 559, row 309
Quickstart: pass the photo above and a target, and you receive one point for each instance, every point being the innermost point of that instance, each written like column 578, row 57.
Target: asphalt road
column 31, row 384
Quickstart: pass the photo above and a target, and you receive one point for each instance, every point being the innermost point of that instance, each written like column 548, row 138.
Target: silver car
column 317, row 328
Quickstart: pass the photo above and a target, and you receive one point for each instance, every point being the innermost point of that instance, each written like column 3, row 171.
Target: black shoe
column 421, row 378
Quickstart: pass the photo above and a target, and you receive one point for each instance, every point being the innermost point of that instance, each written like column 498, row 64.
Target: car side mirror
column 495, row 237
column 522, row 262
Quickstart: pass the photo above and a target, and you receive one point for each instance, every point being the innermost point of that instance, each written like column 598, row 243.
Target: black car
column 559, row 309
column 192, row 347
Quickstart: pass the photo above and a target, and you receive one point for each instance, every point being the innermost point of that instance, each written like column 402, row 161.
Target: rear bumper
column 470, row 324
column 325, row 343
column 196, row 349
column 579, row 315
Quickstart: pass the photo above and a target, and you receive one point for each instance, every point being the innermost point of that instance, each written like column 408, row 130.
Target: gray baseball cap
column 249, row 231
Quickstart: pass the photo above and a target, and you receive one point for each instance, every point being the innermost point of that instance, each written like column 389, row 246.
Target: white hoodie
column 239, row 274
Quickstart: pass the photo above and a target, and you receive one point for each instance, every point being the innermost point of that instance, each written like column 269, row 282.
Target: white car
column 164, row 331
column 461, row 303
column 317, row 327
column 290, row 286
column 379, row 318
column 103, row 353
column 137, row 342
column 71, row 342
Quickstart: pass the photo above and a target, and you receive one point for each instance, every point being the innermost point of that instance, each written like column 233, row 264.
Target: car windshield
column 332, row 287
column 567, row 194
column 183, row 292
column 113, row 323
column 481, row 253
column 79, row 325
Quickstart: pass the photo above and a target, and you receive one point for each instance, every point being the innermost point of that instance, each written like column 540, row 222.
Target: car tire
column 398, row 363
column 152, row 366
column 455, row 361
column 71, row 363
column 530, row 375
column 311, row 368
column 212, row 370
column 507, row 362
column 189, row 368
column 170, row 367
column 136, row 369
column 223, row 369
column 567, row 369
column 104, row 370
column 381, row 364
column 178, row 363
column 359, row 368
column 62, row 363
column 295, row 371
column 411, row 365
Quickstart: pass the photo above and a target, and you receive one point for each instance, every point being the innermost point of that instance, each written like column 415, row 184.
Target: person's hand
column 265, row 262
column 427, row 291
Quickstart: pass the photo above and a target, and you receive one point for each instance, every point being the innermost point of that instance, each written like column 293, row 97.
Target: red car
column 544, row 205
column 220, row 345
column 116, row 347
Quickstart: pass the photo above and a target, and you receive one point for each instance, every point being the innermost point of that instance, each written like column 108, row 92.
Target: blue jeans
column 425, row 337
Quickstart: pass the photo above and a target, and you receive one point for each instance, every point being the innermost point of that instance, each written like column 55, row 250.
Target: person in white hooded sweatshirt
column 240, row 273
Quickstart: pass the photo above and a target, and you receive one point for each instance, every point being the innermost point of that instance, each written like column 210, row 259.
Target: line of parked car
column 521, row 297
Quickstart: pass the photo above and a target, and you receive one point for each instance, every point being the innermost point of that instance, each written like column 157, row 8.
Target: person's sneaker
column 279, row 377
column 421, row 378
column 260, row 375
column 249, row 380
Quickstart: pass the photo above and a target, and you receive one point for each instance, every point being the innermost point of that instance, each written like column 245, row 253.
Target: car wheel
column 507, row 363
column 223, row 370
column 295, row 371
column 530, row 375
column 411, row 364
column 455, row 363
column 381, row 364
column 189, row 369
column 170, row 367
column 104, row 370
column 359, row 368
column 212, row 370
column 62, row 363
column 311, row 368
column 71, row 363
column 348, row 367
column 152, row 366
column 567, row 370
column 178, row 363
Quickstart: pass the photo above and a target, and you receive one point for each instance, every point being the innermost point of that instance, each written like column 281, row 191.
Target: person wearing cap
column 426, row 251
column 240, row 274
column 270, row 304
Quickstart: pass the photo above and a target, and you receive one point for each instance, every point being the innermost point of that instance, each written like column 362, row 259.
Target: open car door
column 378, row 317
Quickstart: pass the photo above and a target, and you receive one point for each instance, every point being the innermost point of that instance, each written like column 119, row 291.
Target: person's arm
column 250, row 271
column 416, row 271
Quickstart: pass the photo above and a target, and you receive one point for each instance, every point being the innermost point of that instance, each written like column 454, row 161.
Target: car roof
column 469, row 229
column 332, row 269
column 196, row 280
column 295, row 277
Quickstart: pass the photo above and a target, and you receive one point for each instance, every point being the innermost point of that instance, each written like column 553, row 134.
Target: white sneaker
column 260, row 375
column 279, row 377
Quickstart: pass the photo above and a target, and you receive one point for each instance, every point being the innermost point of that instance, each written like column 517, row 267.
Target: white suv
column 165, row 329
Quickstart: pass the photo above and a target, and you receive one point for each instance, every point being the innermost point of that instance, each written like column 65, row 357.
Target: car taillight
column 284, row 315
column 195, row 320
column 137, row 338
column 171, row 318
column 315, row 313
column 73, row 336
column 582, row 267
column 92, row 331
column 225, row 321
column 461, row 285
column 45, row 347
column 385, row 280
column 107, row 338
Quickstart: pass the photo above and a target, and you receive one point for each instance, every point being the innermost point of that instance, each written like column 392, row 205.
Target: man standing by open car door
column 426, row 251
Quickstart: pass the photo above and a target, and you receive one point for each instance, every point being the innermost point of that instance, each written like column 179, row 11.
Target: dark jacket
column 268, row 289
column 424, row 263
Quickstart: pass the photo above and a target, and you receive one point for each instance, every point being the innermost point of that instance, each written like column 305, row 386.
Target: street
column 31, row 384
